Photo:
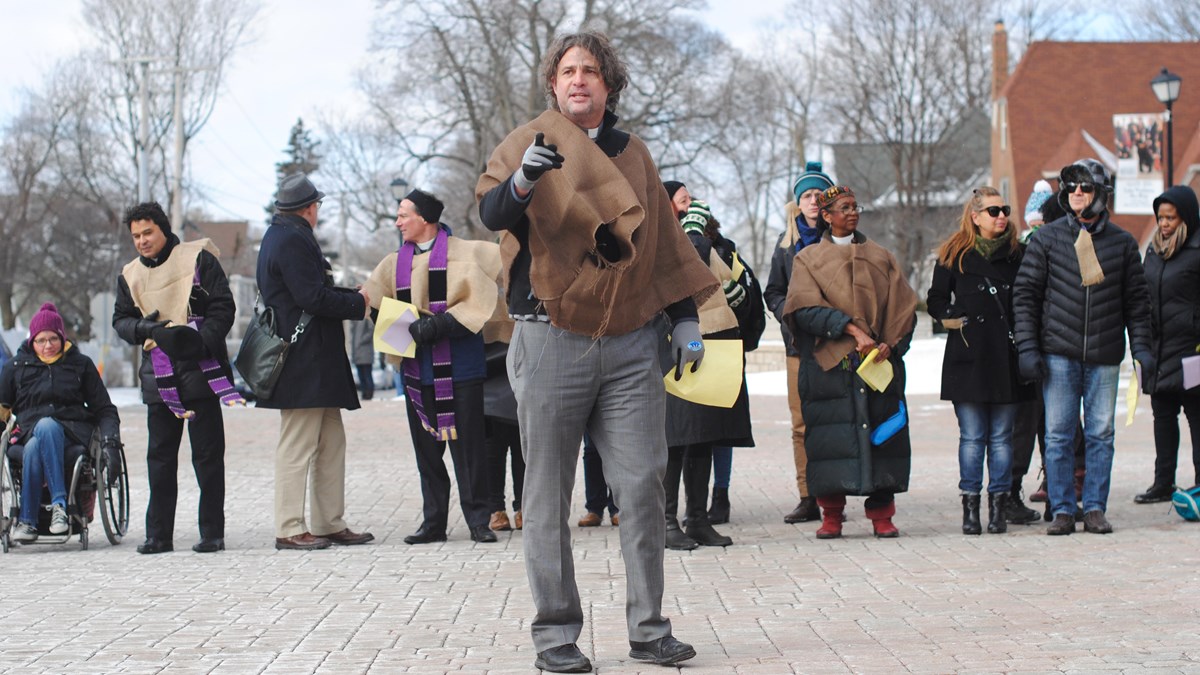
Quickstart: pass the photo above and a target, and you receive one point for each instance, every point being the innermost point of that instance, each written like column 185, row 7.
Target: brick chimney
column 999, row 58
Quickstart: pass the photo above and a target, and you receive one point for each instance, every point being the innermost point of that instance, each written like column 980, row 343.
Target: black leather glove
column 144, row 328
column 112, row 458
column 1148, row 363
column 539, row 158
column 1031, row 366
column 429, row 329
column 181, row 343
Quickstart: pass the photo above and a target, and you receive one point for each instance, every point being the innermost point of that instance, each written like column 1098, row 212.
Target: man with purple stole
column 452, row 282
column 174, row 302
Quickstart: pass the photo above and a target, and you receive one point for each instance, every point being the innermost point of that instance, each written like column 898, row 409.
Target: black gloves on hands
column 112, row 458
column 429, row 329
column 686, row 346
column 538, row 159
column 1148, row 363
column 145, row 326
column 181, row 343
column 1031, row 366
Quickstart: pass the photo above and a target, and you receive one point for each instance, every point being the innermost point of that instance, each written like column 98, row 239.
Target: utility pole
column 177, row 178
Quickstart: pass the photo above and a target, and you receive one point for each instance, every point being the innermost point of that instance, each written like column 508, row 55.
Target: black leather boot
column 997, row 512
column 676, row 539
column 697, row 467
column 971, row 523
column 719, row 511
column 1017, row 512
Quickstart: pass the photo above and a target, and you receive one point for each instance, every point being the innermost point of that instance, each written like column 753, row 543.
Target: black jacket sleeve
column 305, row 276
column 775, row 292
column 1136, row 301
column 126, row 314
column 501, row 209
column 99, row 403
column 219, row 309
column 938, row 300
column 1029, row 291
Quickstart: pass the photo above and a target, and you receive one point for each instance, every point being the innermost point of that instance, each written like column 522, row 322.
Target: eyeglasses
column 43, row 342
column 995, row 211
column 847, row 210
column 1088, row 188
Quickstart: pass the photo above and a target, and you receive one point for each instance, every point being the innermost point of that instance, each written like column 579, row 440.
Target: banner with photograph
column 1139, row 143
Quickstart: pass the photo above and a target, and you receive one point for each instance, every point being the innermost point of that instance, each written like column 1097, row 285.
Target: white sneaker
column 25, row 533
column 58, row 520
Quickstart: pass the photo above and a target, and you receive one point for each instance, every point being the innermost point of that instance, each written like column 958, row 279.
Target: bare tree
column 1167, row 20
column 196, row 39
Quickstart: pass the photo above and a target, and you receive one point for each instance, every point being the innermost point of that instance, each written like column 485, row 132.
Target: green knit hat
column 812, row 178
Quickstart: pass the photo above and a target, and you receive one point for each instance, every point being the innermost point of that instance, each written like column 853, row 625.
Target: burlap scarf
column 1168, row 246
column 581, row 290
column 1090, row 272
column 862, row 280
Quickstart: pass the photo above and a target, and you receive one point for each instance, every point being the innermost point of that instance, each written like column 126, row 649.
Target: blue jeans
column 722, row 466
column 42, row 463
column 985, row 428
column 1067, row 383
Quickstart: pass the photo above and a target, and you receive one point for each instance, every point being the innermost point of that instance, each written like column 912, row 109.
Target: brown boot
column 833, row 509
column 499, row 522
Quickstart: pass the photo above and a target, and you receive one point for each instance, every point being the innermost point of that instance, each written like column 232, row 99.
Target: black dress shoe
column 563, row 659
column 483, row 534
column 805, row 511
column 1156, row 493
column 425, row 536
column 152, row 545
column 663, row 651
column 209, row 545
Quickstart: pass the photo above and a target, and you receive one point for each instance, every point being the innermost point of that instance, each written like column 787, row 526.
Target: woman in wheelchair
column 59, row 399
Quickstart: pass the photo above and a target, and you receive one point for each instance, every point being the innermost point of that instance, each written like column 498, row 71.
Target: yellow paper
column 738, row 268
column 1131, row 394
column 717, row 381
column 877, row 375
column 391, row 328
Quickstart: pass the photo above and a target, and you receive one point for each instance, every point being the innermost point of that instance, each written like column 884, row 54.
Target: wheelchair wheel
column 113, row 498
column 83, row 539
column 9, row 499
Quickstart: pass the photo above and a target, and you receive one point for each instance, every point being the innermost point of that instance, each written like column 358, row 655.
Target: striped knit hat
column 697, row 217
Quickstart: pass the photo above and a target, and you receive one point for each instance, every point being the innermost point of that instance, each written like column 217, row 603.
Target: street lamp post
column 399, row 188
column 1166, row 89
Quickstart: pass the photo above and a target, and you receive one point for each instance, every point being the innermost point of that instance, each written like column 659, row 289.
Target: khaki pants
column 799, row 456
column 310, row 459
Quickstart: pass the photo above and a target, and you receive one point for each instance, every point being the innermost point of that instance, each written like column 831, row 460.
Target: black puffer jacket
column 212, row 300
column 69, row 390
column 774, row 293
column 1056, row 314
column 1174, row 298
column 980, row 365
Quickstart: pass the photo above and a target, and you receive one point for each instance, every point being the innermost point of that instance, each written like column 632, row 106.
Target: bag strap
column 995, row 293
column 305, row 318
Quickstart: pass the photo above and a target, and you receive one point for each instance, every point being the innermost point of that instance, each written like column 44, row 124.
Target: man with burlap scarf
column 593, row 257
column 452, row 282
column 174, row 301
column 1080, row 288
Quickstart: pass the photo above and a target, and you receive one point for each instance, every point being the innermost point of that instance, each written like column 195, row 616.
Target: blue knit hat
column 812, row 178
column 1033, row 208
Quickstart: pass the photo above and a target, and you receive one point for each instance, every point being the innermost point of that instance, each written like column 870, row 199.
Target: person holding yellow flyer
column 971, row 295
column 694, row 428
column 849, row 299
column 452, row 283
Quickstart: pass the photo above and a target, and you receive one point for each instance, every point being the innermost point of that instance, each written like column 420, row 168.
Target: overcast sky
column 302, row 62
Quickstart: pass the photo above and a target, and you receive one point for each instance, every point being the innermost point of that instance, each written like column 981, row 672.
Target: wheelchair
column 90, row 488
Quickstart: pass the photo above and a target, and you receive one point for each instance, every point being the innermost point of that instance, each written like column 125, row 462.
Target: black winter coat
column 69, row 390
column 780, row 275
column 980, row 364
column 1056, row 314
column 840, row 412
column 294, row 277
column 1174, row 301
column 212, row 300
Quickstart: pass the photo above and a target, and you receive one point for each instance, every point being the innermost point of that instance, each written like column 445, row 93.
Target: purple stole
column 164, row 374
column 443, row 427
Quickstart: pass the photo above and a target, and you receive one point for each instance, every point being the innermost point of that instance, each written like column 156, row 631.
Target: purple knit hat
column 46, row 319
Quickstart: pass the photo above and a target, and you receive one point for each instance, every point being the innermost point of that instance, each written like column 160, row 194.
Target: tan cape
column 862, row 280
column 716, row 314
column 581, row 291
column 167, row 288
column 472, row 268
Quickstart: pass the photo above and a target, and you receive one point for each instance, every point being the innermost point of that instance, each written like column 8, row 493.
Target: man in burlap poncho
column 592, row 258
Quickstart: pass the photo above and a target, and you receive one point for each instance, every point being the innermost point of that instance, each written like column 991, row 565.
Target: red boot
column 834, row 512
column 881, row 519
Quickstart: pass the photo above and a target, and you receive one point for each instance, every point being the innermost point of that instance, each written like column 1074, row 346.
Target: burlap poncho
column 167, row 288
column 582, row 291
column 862, row 280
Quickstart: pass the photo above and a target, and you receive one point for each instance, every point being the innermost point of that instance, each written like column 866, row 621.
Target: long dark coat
column 1174, row 301
column 980, row 365
column 293, row 277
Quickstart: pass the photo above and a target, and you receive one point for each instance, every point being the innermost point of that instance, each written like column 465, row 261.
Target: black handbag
column 261, row 356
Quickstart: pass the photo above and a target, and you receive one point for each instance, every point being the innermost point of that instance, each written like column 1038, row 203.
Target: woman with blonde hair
column 971, row 295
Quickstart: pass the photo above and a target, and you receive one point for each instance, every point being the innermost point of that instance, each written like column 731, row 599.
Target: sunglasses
column 1088, row 188
column 995, row 211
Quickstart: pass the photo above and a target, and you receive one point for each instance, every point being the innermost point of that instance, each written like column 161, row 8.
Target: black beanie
column 428, row 206
column 672, row 187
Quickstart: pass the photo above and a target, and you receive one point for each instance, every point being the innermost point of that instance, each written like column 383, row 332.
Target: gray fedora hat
column 296, row 192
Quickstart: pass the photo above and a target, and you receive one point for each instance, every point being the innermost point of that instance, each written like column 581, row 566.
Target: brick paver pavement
column 778, row 601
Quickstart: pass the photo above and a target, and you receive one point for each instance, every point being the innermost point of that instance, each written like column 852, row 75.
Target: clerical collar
column 595, row 133
column 425, row 246
column 843, row 241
